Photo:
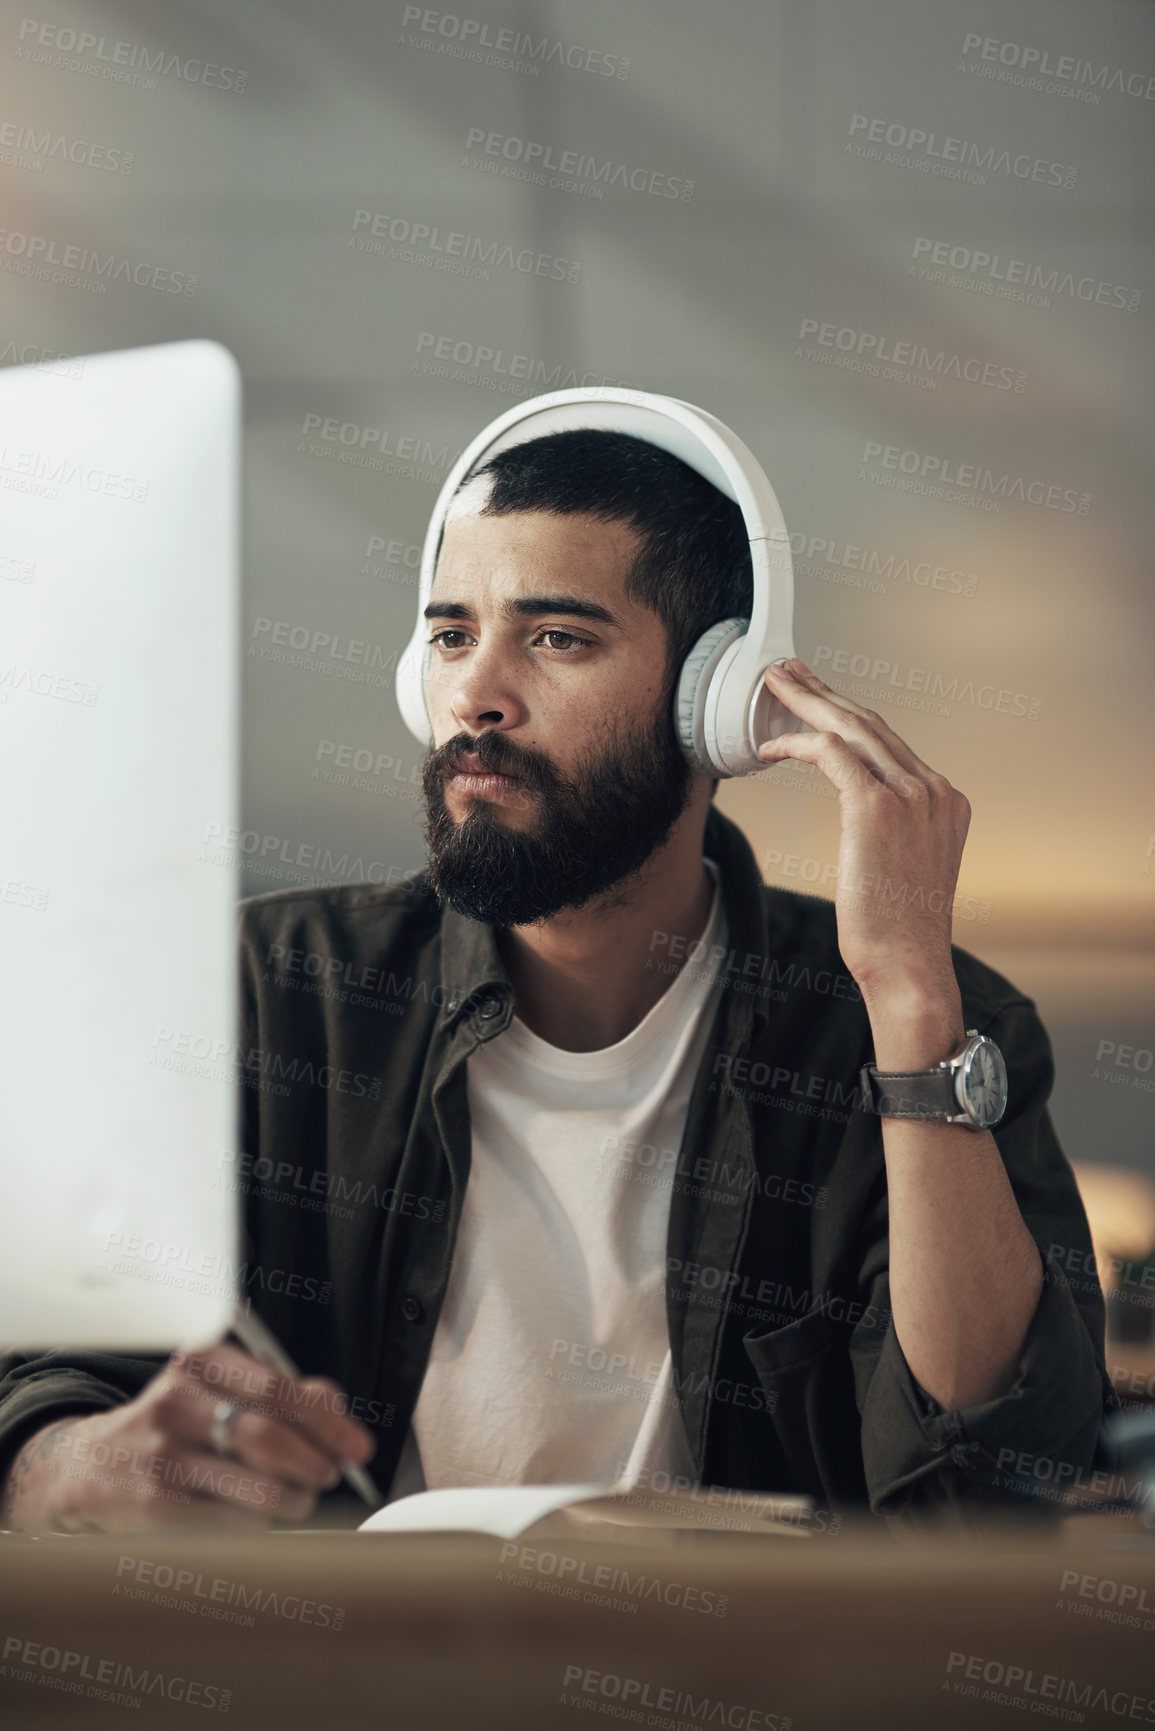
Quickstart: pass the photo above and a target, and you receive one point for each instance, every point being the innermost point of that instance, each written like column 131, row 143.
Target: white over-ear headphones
column 724, row 710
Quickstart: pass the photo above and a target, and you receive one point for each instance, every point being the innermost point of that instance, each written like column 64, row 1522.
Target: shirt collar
column 472, row 970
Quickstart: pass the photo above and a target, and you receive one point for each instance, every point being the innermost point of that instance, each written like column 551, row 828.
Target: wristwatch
column 969, row 1087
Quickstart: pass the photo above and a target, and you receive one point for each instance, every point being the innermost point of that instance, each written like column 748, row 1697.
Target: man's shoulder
column 799, row 924
column 343, row 918
column 796, row 922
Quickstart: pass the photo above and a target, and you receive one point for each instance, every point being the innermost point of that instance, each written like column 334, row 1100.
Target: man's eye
column 570, row 644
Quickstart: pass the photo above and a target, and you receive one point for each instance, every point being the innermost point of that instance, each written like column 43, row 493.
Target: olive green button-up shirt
column 360, row 1007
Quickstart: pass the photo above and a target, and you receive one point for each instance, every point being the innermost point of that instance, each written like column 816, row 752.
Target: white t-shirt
column 551, row 1361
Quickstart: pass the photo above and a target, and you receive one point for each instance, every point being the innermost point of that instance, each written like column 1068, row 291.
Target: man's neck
column 586, row 978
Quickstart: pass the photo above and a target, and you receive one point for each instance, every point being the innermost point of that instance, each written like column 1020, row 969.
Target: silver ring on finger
column 225, row 1415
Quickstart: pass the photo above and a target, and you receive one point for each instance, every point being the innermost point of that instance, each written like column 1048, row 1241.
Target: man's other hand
column 151, row 1462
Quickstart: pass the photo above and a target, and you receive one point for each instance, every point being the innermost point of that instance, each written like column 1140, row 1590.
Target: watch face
column 984, row 1083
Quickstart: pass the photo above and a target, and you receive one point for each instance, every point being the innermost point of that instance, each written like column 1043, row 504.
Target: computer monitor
column 119, row 722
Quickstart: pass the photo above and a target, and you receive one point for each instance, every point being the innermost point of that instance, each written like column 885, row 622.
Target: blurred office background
column 904, row 248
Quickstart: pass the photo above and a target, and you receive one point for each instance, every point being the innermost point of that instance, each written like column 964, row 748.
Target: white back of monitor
column 114, row 1227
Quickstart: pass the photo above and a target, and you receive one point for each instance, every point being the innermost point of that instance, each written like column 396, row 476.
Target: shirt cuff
column 44, row 1398
column 1036, row 1442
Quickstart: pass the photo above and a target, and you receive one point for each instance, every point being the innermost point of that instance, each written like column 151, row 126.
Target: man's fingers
column 276, row 1447
column 832, row 754
column 313, row 1408
column 270, row 1436
column 825, row 709
column 235, row 1482
column 223, row 1372
column 323, row 1409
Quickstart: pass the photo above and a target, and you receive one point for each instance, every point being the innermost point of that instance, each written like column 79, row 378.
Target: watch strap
column 909, row 1093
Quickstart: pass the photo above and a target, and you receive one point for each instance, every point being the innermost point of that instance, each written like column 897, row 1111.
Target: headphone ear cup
column 411, row 680
column 693, row 684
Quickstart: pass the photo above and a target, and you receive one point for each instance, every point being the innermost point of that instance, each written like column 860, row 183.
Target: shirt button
column 488, row 1008
column 412, row 1310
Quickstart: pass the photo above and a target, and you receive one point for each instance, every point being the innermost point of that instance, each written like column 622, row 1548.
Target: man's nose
column 482, row 695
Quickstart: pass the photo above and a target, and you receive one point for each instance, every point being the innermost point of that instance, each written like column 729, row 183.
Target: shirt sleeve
column 37, row 1389
column 1040, row 1438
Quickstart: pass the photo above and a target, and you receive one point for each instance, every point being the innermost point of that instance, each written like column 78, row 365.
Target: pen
column 263, row 1344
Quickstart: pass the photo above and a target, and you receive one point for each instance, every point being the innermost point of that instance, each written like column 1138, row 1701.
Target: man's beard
column 588, row 836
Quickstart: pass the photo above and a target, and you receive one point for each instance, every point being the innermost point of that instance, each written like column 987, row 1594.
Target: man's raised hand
column 903, row 830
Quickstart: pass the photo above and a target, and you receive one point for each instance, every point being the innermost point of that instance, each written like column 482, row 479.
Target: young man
column 556, row 1201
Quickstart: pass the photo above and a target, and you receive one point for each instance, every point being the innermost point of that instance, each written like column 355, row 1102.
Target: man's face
column 545, row 673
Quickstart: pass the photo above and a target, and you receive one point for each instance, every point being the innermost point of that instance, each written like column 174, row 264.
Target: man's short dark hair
column 693, row 567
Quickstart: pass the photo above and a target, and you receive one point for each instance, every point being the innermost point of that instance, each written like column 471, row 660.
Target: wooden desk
column 832, row 1633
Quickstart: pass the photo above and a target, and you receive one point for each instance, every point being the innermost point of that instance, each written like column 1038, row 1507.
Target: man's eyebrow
column 523, row 606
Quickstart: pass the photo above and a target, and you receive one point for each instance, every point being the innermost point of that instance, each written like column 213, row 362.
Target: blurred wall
column 904, row 248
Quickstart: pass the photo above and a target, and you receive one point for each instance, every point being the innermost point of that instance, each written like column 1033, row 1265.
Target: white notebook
column 602, row 1510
